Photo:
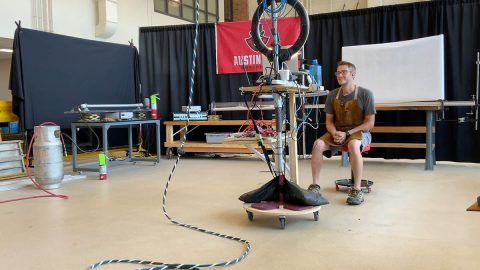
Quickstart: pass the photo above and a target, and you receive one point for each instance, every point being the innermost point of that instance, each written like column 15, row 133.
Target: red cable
column 30, row 176
column 265, row 129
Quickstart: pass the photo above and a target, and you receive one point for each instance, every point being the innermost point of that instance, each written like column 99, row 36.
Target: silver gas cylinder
column 48, row 158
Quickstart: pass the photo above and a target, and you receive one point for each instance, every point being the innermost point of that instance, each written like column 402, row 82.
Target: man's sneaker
column 355, row 197
column 314, row 188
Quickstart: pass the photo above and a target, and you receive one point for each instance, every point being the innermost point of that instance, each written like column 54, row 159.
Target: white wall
column 77, row 18
column 326, row 6
column 11, row 11
column 5, row 94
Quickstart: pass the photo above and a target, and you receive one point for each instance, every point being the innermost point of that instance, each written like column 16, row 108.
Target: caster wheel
column 282, row 222
column 250, row 215
column 316, row 216
column 169, row 153
column 337, row 188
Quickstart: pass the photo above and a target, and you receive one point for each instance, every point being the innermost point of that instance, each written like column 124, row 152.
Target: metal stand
column 279, row 161
column 277, row 99
column 105, row 127
column 477, row 90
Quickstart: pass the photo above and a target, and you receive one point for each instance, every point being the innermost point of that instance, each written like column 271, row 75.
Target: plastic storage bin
column 14, row 127
column 215, row 137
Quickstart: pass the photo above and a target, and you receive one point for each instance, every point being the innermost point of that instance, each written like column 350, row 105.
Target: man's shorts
column 366, row 140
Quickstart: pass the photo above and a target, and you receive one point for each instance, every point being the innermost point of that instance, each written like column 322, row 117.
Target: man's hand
column 339, row 137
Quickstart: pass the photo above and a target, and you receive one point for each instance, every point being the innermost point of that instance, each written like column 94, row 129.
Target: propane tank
column 47, row 154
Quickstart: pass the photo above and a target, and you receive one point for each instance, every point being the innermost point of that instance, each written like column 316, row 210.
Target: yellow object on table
column 6, row 113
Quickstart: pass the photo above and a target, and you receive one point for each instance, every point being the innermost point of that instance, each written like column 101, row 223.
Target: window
column 185, row 9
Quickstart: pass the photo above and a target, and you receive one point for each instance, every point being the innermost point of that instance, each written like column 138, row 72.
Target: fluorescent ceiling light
column 6, row 50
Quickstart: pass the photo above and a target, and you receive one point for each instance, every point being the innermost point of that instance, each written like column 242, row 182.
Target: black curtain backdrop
column 52, row 73
column 166, row 53
column 457, row 20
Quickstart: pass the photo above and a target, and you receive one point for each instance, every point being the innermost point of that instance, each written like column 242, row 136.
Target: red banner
column 236, row 52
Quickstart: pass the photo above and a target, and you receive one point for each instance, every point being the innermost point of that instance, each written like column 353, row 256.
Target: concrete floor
column 413, row 219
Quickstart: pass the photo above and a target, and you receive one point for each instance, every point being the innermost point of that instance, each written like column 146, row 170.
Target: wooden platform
column 282, row 213
column 226, row 147
column 474, row 207
column 203, row 147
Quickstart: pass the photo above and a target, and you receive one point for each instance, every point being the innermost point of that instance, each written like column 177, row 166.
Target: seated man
column 350, row 114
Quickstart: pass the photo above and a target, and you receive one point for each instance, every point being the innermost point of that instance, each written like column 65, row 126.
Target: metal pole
column 277, row 98
column 74, row 147
column 87, row 106
column 429, row 150
column 304, row 100
column 304, row 129
column 477, row 90
column 279, row 124
column 275, row 40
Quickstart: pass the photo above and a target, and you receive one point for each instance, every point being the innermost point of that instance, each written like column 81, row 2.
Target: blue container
column 13, row 126
column 316, row 72
column 5, row 130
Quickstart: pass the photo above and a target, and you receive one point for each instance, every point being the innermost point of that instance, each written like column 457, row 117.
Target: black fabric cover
column 270, row 191
column 293, row 194
column 52, row 73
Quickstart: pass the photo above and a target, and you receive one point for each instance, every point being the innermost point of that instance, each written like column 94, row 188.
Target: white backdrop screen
column 405, row 71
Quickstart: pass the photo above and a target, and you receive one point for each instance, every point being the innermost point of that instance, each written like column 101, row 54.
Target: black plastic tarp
column 52, row 73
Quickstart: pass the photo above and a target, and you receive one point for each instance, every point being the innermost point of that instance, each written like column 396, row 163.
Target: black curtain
column 52, row 73
column 166, row 53
column 458, row 21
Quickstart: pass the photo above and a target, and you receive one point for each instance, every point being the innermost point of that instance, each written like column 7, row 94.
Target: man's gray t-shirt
column 364, row 98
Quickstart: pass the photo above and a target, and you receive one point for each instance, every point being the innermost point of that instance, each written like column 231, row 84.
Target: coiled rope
column 160, row 265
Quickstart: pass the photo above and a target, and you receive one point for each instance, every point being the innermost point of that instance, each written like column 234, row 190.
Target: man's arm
column 338, row 136
column 329, row 124
column 367, row 124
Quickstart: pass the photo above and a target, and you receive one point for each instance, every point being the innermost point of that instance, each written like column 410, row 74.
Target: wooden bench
column 399, row 130
column 203, row 147
column 429, row 129
column 429, row 107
